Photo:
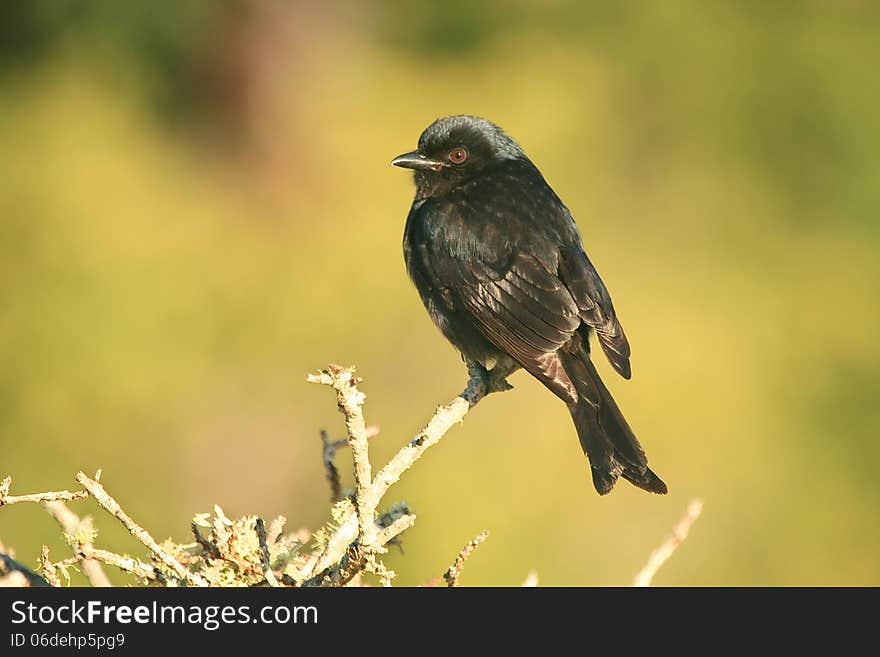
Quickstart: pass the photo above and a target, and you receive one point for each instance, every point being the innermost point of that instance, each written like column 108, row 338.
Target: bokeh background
column 196, row 209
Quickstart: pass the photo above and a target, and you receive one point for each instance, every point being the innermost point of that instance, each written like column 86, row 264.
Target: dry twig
column 659, row 556
column 48, row 568
column 125, row 563
column 445, row 417
column 387, row 534
column 351, row 402
column 349, row 547
column 65, row 495
column 112, row 506
column 451, row 575
column 442, row 421
column 328, row 453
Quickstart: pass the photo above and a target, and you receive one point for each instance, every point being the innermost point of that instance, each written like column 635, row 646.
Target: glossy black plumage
column 499, row 265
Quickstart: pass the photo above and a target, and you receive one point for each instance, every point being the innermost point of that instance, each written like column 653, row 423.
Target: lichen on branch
column 348, row 550
column 247, row 552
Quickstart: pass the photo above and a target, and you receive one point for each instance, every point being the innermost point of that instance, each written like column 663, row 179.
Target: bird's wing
column 526, row 311
column 594, row 306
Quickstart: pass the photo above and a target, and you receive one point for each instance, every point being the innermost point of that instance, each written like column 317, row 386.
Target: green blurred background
column 196, row 209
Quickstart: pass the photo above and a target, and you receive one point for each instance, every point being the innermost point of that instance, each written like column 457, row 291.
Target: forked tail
column 605, row 436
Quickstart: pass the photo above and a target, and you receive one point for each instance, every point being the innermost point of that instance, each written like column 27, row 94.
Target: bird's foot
column 497, row 381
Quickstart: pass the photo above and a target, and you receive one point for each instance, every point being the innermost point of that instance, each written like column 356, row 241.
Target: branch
column 351, row 402
column 64, row 495
column 443, row 420
column 661, row 554
column 70, row 525
column 328, row 454
column 445, row 417
column 125, row 563
column 48, row 568
column 351, row 545
column 451, row 575
column 334, row 550
column 389, row 533
column 112, row 506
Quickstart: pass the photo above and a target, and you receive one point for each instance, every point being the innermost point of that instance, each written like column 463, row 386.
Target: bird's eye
column 458, row 155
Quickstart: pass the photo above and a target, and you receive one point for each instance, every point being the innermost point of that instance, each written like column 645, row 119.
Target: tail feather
column 606, row 437
column 648, row 481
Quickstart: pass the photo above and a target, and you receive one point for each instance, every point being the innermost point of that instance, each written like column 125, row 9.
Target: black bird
column 498, row 262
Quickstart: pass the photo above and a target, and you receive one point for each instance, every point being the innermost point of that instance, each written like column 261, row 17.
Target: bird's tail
column 605, row 436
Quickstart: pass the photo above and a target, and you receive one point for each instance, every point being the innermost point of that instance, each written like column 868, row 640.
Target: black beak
column 416, row 160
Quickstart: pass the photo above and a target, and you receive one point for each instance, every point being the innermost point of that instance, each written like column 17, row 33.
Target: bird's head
column 455, row 149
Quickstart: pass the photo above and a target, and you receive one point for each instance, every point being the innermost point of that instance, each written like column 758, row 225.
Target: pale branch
column 334, row 549
column 70, row 525
column 125, row 563
column 260, row 528
column 357, row 557
column 389, row 533
column 444, row 418
column 48, row 568
column 379, row 569
column 112, row 506
column 352, row 545
column 328, row 454
column 659, row 556
column 442, row 421
column 351, row 402
column 49, row 496
column 451, row 575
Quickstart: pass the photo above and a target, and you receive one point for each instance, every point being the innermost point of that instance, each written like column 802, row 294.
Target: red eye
column 458, row 155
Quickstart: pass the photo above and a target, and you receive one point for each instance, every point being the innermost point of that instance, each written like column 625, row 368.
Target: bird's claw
column 495, row 379
column 497, row 383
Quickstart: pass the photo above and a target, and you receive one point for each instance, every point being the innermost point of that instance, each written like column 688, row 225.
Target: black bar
column 123, row 619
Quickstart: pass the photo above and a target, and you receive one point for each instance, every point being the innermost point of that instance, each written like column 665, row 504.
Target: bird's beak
column 416, row 160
